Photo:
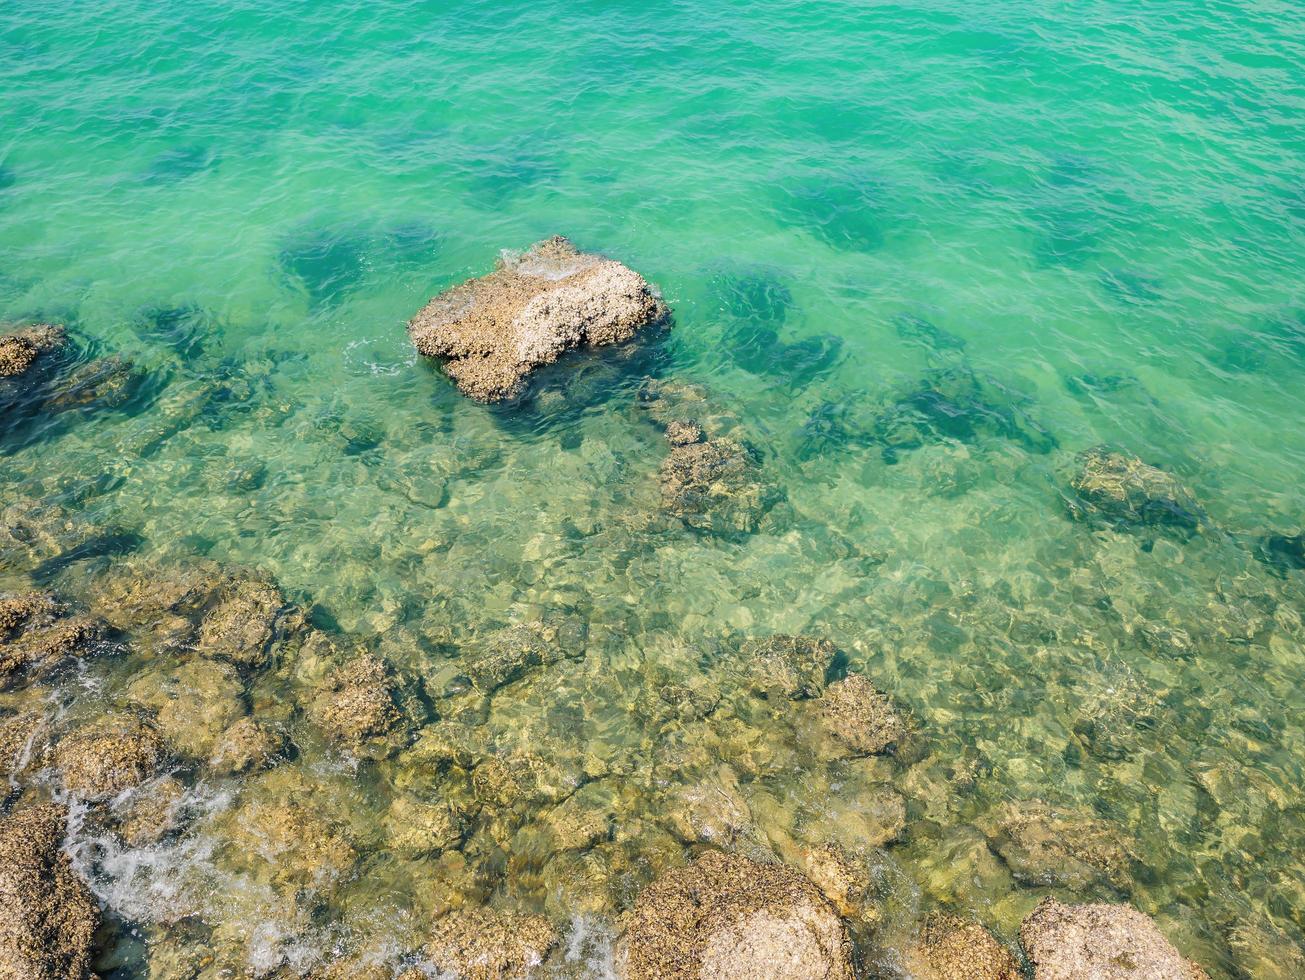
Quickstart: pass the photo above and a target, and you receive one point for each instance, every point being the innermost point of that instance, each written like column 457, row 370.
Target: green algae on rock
column 1105, row 942
column 716, row 486
column 492, row 333
column 729, row 917
column 1043, row 845
column 47, row 915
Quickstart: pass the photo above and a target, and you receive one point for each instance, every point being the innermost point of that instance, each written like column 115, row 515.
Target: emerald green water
column 1097, row 208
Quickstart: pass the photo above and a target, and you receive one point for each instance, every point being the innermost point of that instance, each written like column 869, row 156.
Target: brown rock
column 730, row 918
column 247, row 746
column 1122, row 489
column 783, row 666
column 102, row 759
column 485, row 944
column 493, row 332
column 357, row 702
column 683, row 433
column 1045, row 846
column 860, row 717
column 19, row 350
column 1101, row 942
column 951, row 948
column 47, row 916
column 717, row 486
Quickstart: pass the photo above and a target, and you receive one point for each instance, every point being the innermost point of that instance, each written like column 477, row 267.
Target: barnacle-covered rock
column 47, row 915
column 20, row 349
column 356, row 707
column 782, row 666
column 243, row 623
column 486, row 944
column 725, row 916
column 36, row 636
column 153, row 813
column 1104, row 942
column 494, row 331
column 105, row 757
column 247, row 746
column 1120, row 489
column 952, row 948
column 859, row 718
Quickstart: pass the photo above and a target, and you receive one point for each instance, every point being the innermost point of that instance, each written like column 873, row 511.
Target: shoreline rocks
column 1104, row 942
column 494, row 331
column 47, row 915
column 952, row 948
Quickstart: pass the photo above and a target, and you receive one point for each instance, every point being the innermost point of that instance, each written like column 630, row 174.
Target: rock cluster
column 494, row 331
column 36, row 635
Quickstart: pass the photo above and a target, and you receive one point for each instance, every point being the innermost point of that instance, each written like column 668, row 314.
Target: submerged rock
column 782, row 666
column 494, row 331
column 859, row 717
column 728, row 917
column 35, row 636
column 1282, row 551
column 1121, row 489
column 956, row 403
column 846, row 879
column 47, row 915
column 243, row 623
column 20, row 349
column 1104, row 942
column 485, row 944
column 102, row 759
column 683, row 433
column 247, row 746
column 194, row 702
column 153, row 814
column 952, row 948
column 716, row 485
column 508, row 654
column 356, row 705
column 1045, row 846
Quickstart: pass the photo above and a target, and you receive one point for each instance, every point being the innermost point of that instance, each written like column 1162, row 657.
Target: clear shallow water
column 1098, row 209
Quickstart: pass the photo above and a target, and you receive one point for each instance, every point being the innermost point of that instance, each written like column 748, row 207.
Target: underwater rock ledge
column 493, row 332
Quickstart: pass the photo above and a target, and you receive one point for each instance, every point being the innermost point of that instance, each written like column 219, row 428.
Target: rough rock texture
column 485, row 944
column 47, row 916
column 1121, row 489
column 419, row 829
column 683, row 433
column 846, row 880
column 242, row 625
column 716, row 486
column 19, row 734
column 194, row 702
column 154, row 813
column 725, row 917
column 103, row 759
column 247, row 746
column 492, row 332
column 783, row 666
column 1100, row 942
column 508, row 654
column 357, row 702
column 1045, row 846
column 951, row 948
column 20, row 349
column 35, row 636
column 859, row 717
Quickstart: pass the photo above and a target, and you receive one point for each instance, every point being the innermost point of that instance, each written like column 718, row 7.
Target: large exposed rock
column 860, row 718
column 951, row 948
column 492, row 332
column 717, row 486
column 726, row 917
column 1045, row 846
column 485, row 944
column 108, row 756
column 47, row 916
column 1100, row 942
column 1120, row 489
column 20, row 349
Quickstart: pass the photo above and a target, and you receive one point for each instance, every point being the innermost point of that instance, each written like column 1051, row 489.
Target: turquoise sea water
column 1097, row 210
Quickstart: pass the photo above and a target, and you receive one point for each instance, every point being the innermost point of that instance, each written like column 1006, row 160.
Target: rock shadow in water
column 755, row 306
column 1068, row 210
column 183, row 329
column 842, row 210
